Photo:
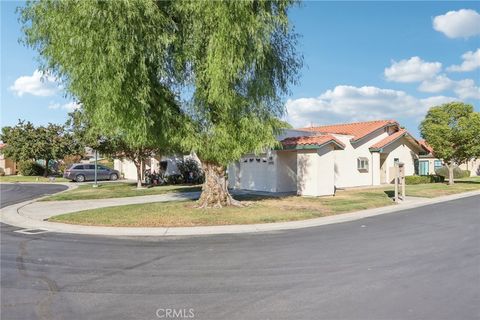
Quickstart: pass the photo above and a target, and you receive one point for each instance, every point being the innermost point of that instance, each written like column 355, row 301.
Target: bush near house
column 2, row 172
column 30, row 168
column 410, row 180
column 190, row 166
column 457, row 172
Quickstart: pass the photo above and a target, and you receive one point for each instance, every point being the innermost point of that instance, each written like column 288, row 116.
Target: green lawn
column 29, row 179
column 432, row 190
column 259, row 209
column 117, row 190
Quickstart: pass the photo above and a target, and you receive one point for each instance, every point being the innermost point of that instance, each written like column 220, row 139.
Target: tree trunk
column 214, row 190
column 45, row 172
column 450, row 173
column 138, row 165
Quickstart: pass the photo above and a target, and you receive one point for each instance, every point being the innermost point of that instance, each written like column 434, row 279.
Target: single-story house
column 428, row 162
column 167, row 164
column 8, row 166
column 315, row 161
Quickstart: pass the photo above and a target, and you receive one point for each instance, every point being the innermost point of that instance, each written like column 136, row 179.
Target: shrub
column 457, row 172
column 190, row 166
column 30, row 168
column 423, row 179
column 174, row 179
column 2, row 172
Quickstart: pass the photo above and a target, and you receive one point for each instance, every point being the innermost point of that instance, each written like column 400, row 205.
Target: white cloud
column 471, row 61
column 463, row 23
column 70, row 106
column 466, row 89
column 437, row 84
column 37, row 84
column 349, row 104
column 412, row 70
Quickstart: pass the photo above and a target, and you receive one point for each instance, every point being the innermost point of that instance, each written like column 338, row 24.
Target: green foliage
column 453, row 131
column 2, row 172
column 410, row 180
column 241, row 58
column 20, row 141
column 30, row 168
column 113, row 57
column 191, row 166
column 25, row 142
column 457, row 172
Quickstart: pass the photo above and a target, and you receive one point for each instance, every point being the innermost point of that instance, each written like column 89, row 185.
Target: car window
column 80, row 167
column 102, row 168
column 90, row 167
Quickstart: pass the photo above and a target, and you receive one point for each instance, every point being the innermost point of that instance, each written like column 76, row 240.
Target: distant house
column 166, row 164
column 8, row 165
column 428, row 162
column 315, row 161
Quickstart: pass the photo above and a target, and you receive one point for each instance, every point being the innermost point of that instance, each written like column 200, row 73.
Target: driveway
column 420, row 263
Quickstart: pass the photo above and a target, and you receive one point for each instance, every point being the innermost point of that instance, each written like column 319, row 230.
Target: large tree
column 27, row 142
column 453, row 131
column 114, row 58
column 239, row 59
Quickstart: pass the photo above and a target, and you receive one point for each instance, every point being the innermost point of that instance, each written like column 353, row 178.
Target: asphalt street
column 421, row 263
column 11, row 193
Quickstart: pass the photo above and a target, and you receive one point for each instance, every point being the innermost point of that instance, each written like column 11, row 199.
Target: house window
column 423, row 168
column 437, row 164
column 362, row 164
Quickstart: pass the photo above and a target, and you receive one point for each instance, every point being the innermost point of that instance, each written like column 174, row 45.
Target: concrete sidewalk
column 30, row 215
column 41, row 210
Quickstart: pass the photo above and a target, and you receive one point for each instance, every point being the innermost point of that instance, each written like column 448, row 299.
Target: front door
column 423, row 168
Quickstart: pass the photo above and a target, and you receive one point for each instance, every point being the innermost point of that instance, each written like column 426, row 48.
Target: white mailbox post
column 399, row 180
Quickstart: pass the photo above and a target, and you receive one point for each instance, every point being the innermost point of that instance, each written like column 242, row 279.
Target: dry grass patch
column 259, row 210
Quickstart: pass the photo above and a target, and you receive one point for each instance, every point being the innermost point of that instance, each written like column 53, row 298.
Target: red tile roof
column 386, row 141
column 357, row 129
column 393, row 137
column 316, row 140
column 425, row 145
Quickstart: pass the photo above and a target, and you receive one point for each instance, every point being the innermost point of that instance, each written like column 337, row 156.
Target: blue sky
column 363, row 61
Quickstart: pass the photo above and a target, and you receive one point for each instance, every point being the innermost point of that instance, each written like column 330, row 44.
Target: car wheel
column 80, row 178
column 113, row 176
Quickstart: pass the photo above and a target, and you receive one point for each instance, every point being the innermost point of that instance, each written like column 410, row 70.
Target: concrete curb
column 11, row 216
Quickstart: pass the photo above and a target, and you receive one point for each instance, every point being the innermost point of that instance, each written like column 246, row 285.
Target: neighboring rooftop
column 311, row 142
column 356, row 129
column 394, row 137
column 426, row 146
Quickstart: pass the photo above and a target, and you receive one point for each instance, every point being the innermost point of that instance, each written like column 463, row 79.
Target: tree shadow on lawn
column 467, row 182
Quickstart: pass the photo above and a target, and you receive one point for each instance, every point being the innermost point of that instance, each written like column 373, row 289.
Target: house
column 8, row 166
column 167, row 164
column 428, row 162
column 316, row 161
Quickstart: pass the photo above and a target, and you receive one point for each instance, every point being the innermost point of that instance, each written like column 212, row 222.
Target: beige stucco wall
column 8, row 166
column 346, row 171
column 472, row 165
column 405, row 152
column 315, row 172
column 286, row 171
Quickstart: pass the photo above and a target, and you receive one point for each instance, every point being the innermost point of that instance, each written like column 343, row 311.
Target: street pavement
column 421, row 263
column 11, row 193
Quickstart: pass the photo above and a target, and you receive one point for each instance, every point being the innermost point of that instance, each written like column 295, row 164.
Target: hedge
column 30, row 168
column 423, row 179
column 457, row 172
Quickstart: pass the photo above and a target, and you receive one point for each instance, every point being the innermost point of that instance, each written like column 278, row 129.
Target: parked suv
column 81, row 172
